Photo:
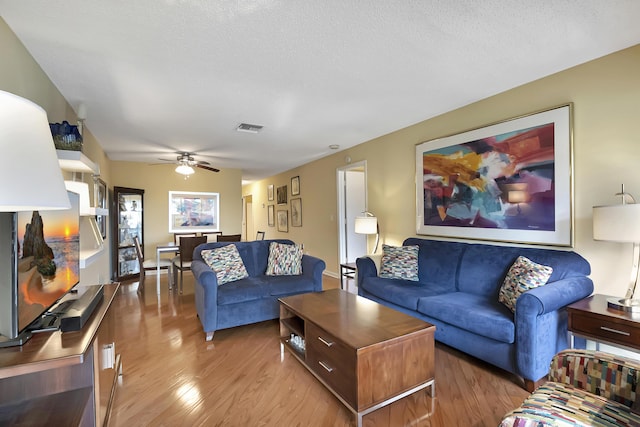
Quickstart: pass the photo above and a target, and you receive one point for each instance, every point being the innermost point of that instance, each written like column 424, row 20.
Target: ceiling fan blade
column 167, row 160
column 209, row 168
column 202, row 162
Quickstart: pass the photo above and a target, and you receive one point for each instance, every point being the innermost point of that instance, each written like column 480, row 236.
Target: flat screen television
column 41, row 262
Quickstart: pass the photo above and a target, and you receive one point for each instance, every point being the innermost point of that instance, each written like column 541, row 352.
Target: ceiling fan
column 186, row 163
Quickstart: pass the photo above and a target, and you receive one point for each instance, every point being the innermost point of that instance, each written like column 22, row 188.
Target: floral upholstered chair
column 585, row 388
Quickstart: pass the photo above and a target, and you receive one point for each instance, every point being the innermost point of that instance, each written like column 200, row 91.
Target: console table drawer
column 602, row 328
column 332, row 361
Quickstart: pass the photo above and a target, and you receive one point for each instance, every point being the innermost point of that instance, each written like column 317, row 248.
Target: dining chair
column 183, row 260
column 260, row 235
column 229, row 238
column 212, row 236
column 149, row 264
column 178, row 236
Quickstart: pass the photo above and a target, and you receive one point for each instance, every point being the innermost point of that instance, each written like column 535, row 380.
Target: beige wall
column 21, row 75
column 158, row 180
column 605, row 93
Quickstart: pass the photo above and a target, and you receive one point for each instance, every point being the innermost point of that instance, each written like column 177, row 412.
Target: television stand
column 75, row 371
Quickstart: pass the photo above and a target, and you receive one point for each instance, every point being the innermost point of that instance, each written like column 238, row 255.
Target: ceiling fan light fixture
column 248, row 127
column 184, row 169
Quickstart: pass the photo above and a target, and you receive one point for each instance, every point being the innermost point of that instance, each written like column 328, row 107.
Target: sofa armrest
column 366, row 267
column 313, row 267
column 206, row 294
column 541, row 323
column 612, row 377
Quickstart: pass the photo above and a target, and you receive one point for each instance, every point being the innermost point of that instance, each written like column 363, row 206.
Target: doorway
column 247, row 218
column 352, row 201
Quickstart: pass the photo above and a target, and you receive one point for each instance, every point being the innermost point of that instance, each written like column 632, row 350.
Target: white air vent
column 247, row 127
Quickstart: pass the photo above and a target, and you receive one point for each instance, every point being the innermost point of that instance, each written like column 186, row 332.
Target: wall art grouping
column 510, row 181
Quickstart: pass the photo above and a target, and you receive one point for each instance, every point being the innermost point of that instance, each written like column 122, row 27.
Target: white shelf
column 88, row 256
column 75, row 161
column 99, row 211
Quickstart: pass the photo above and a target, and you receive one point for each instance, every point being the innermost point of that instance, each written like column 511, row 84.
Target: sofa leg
column 209, row 336
column 531, row 385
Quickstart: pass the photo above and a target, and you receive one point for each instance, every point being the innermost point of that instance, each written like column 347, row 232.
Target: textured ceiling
column 160, row 76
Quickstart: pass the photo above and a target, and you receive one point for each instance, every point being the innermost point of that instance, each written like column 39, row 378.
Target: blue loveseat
column 457, row 290
column 254, row 298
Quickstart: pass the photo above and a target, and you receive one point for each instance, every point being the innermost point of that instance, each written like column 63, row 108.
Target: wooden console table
column 366, row 354
column 63, row 379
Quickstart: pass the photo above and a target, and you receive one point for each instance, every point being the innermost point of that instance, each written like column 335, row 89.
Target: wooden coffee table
column 366, row 354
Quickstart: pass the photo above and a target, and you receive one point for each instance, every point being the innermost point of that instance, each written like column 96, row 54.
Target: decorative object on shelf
column 295, row 185
column 283, row 221
column 193, row 211
column 465, row 181
column 82, row 116
column 281, row 195
column 35, row 183
column 621, row 223
column 367, row 223
column 270, row 192
column 100, row 201
column 271, row 216
column 296, row 212
column 66, row 136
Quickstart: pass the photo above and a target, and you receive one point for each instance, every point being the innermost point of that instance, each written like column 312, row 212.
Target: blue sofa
column 457, row 291
column 252, row 299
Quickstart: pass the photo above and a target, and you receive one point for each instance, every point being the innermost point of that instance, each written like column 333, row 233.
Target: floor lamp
column 368, row 224
column 621, row 223
column 31, row 180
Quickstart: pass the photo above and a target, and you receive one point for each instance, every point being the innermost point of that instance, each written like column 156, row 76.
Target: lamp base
column 624, row 304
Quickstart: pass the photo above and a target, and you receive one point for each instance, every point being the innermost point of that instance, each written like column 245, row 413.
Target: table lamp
column 621, row 223
column 31, row 180
column 367, row 223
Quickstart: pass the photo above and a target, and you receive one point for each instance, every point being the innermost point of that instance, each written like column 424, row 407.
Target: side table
column 347, row 271
column 591, row 318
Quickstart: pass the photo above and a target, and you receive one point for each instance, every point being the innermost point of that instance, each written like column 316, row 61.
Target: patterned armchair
column 585, row 388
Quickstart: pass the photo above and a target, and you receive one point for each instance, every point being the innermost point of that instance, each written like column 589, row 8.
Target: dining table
column 160, row 249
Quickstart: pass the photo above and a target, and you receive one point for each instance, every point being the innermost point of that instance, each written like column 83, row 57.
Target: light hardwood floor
column 172, row 377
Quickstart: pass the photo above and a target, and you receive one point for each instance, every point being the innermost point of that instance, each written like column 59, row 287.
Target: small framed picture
column 295, row 185
column 271, row 219
column 270, row 193
column 283, row 221
column 281, row 194
column 296, row 212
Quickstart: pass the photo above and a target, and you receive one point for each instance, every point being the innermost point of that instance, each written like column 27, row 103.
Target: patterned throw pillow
column 284, row 260
column 226, row 262
column 523, row 275
column 399, row 262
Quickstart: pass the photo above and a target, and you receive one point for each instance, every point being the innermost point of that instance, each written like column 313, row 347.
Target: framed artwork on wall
column 271, row 221
column 281, row 194
column 295, row 185
column 283, row 221
column 270, row 192
column 193, row 211
column 296, row 212
column 510, row 181
column 100, row 201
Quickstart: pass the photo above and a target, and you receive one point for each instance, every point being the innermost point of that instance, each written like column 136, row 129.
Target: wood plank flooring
column 173, row 377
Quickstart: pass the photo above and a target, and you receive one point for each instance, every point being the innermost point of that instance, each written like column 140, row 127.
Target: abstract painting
column 510, row 181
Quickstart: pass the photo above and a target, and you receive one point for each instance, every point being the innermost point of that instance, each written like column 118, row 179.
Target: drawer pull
column 325, row 342
column 325, row 366
column 615, row 331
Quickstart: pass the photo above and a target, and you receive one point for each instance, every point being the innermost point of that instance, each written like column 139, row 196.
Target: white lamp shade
column 184, row 170
column 366, row 225
column 617, row 223
column 30, row 175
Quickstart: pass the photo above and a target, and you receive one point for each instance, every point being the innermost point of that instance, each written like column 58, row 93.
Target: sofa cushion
column 284, row 260
column 399, row 262
column 523, row 275
column 247, row 289
column 288, row 285
column 226, row 263
column 404, row 293
column 478, row 314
